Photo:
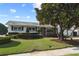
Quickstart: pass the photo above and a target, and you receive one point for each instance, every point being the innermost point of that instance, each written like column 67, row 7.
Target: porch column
column 37, row 29
column 26, row 29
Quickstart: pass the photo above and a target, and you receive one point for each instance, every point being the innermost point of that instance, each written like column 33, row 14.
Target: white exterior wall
column 9, row 30
column 77, row 32
column 69, row 32
column 23, row 31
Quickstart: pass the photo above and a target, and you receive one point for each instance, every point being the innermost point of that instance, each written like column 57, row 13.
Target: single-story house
column 33, row 27
column 26, row 27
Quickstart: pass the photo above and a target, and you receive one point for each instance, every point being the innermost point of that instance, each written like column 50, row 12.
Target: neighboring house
column 76, row 32
column 26, row 27
column 72, row 32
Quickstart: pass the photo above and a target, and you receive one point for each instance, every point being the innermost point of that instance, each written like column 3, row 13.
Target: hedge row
column 27, row 36
column 4, row 40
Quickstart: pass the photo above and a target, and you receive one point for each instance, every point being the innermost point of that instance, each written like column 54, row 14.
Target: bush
column 34, row 36
column 13, row 36
column 13, row 33
column 27, row 36
column 4, row 40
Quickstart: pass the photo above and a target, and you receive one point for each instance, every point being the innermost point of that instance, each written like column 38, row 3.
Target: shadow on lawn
column 10, row 44
column 74, row 43
column 70, row 42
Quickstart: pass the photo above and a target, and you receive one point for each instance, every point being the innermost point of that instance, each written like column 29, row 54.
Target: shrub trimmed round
column 4, row 40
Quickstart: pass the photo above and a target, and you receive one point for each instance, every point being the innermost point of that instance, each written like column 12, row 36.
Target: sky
column 18, row 12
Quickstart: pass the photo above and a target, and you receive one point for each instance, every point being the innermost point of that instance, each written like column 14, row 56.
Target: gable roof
column 27, row 24
column 21, row 23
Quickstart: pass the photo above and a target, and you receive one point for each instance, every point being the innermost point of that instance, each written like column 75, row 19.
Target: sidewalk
column 57, row 52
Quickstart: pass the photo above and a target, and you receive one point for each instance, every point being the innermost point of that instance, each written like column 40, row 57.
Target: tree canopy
column 3, row 29
column 66, row 15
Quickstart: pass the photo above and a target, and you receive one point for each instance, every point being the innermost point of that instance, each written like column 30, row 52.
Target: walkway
column 57, row 52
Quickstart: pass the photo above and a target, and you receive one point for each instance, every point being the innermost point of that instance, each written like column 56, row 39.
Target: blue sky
column 18, row 12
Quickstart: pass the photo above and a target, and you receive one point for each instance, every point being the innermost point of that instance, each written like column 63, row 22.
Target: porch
column 42, row 29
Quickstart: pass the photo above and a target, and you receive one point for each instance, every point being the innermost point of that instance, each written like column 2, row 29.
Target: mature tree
column 3, row 29
column 63, row 15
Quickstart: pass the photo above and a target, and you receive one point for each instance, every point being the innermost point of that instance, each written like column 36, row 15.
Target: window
column 15, row 28
column 29, row 28
column 12, row 28
column 20, row 28
column 33, row 28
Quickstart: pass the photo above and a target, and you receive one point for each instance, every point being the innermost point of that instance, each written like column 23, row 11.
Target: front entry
column 31, row 29
column 27, row 30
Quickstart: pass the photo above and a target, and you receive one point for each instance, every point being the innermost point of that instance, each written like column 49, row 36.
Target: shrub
column 13, row 33
column 36, row 35
column 4, row 40
column 13, row 36
column 23, row 36
column 27, row 36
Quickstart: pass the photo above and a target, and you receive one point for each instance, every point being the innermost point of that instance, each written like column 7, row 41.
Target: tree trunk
column 61, row 36
column 71, row 35
column 55, row 30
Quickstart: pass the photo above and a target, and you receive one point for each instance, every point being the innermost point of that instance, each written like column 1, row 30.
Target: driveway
column 57, row 52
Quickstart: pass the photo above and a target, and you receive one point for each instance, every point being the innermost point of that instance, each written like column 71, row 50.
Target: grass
column 21, row 46
column 75, row 54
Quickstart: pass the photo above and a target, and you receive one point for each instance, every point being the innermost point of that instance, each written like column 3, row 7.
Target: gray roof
column 21, row 23
column 26, row 24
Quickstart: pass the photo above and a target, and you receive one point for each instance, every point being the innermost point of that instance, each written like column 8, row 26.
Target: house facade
column 34, row 27
column 26, row 27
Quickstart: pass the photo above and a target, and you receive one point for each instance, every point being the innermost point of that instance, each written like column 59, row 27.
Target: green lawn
column 75, row 54
column 21, row 45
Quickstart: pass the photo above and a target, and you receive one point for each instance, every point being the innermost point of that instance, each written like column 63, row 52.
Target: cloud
column 13, row 10
column 37, row 5
column 17, row 16
column 22, row 17
column 2, row 15
column 27, row 17
column 23, row 5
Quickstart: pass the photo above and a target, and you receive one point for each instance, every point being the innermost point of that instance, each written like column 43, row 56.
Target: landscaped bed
column 21, row 45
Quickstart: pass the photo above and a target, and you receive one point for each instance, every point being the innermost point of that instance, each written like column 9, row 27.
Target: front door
column 27, row 30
